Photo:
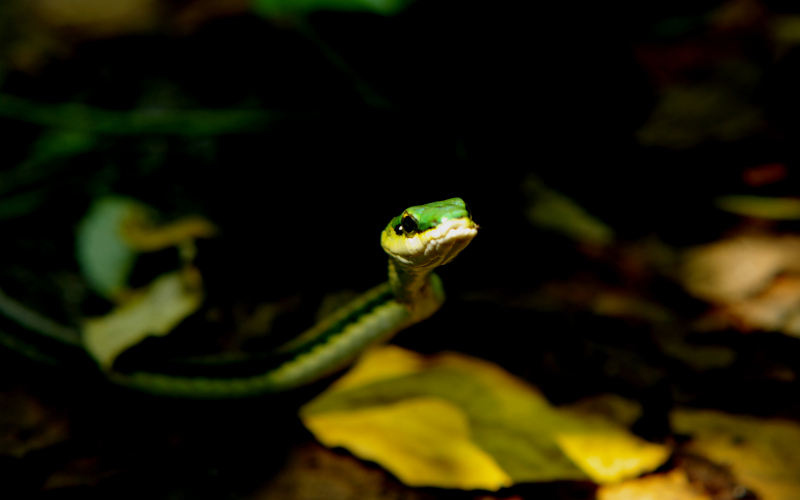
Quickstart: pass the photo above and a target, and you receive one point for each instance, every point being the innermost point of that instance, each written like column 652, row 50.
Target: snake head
column 427, row 236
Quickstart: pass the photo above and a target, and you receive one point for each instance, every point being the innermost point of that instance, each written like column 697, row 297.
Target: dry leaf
column 27, row 424
column 312, row 472
column 754, row 279
column 671, row 486
column 777, row 308
column 763, row 454
column 738, row 268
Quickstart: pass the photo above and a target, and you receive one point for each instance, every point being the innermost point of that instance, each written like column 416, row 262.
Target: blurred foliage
column 598, row 147
column 762, row 453
column 80, row 118
column 281, row 8
column 715, row 110
column 552, row 210
column 760, row 206
column 116, row 229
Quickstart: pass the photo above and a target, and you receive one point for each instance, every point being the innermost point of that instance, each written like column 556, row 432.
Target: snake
column 417, row 241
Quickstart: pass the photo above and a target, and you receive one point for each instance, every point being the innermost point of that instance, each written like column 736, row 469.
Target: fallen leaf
column 388, row 363
column 670, row 486
column 762, row 453
column 738, row 268
column 422, row 441
column 608, row 455
column 754, row 281
column 152, row 311
column 777, row 308
column 312, row 472
column 27, row 424
column 527, row 438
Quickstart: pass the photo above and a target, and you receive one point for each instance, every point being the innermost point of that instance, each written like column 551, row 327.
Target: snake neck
column 421, row 292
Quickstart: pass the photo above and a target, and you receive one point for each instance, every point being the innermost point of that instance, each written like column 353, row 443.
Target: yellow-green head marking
column 423, row 238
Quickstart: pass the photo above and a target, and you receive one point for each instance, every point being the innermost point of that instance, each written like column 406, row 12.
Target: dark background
column 364, row 115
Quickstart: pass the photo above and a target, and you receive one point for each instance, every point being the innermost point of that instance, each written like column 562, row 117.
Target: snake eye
column 409, row 224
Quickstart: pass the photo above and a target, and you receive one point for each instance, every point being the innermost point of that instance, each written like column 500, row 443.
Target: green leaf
column 105, row 257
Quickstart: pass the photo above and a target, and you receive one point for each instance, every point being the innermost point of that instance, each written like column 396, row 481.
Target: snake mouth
column 446, row 240
column 434, row 247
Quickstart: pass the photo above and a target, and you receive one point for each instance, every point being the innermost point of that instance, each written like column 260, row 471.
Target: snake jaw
column 448, row 239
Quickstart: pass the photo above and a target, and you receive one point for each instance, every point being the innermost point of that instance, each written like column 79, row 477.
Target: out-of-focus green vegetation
column 278, row 8
column 77, row 117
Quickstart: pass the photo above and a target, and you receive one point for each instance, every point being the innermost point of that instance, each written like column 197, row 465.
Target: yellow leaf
column 422, row 441
column 385, row 363
column 144, row 236
column 763, row 454
column 611, row 454
column 506, row 417
column 671, row 486
column 153, row 311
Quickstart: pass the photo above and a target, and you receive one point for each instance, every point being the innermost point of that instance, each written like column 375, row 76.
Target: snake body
column 416, row 241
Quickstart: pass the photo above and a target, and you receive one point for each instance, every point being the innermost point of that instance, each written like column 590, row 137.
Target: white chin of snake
column 447, row 240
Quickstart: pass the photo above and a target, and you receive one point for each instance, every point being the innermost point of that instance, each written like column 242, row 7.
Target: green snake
column 417, row 242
